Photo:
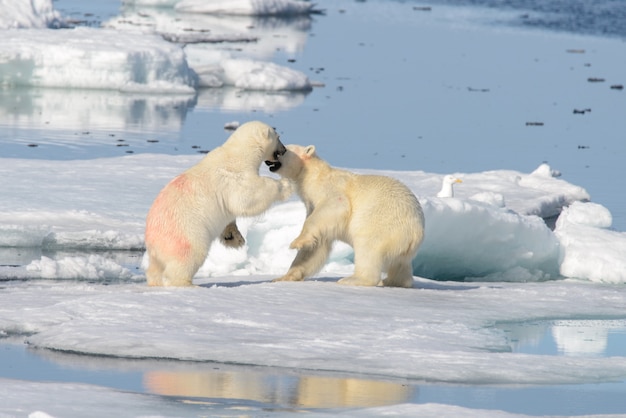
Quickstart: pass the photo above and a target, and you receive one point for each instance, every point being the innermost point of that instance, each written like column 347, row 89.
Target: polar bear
column 378, row 216
column 201, row 204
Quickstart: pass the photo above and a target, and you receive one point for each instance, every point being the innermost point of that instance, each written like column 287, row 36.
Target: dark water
column 588, row 17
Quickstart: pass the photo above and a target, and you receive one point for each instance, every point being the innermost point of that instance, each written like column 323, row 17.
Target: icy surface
column 588, row 248
column 146, row 57
column 67, row 205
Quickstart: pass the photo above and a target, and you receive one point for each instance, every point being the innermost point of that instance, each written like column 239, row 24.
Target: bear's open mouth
column 275, row 165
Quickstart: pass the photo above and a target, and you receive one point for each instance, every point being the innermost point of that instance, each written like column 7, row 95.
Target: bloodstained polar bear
column 201, row 204
column 377, row 215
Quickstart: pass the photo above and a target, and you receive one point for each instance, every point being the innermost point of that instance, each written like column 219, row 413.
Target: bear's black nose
column 273, row 165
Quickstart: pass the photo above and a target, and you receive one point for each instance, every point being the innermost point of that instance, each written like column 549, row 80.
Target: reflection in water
column 261, row 36
column 266, row 385
column 298, row 391
column 75, row 109
column 568, row 337
column 71, row 123
column 261, row 390
column 272, row 386
column 233, row 99
column 580, row 338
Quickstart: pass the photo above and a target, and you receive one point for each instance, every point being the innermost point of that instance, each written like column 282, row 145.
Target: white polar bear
column 378, row 216
column 201, row 204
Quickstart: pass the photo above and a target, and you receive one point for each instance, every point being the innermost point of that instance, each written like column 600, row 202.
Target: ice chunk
column 588, row 249
column 93, row 58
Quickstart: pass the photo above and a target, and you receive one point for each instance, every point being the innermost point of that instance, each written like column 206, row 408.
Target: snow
column 588, row 248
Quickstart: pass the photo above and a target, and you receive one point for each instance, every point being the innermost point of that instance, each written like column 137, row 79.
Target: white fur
column 202, row 203
column 377, row 215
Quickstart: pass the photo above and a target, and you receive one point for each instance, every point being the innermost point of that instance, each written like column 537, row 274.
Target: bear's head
column 262, row 137
column 294, row 160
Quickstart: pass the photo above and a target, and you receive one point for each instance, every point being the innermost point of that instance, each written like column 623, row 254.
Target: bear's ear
column 309, row 151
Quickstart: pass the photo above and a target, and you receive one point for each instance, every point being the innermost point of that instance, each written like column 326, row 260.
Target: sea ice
column 67, row 205
column 93, row 58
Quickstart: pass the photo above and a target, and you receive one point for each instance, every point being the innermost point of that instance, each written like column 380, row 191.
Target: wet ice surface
column 230, row 388
column 443, row 91
column 443, row 343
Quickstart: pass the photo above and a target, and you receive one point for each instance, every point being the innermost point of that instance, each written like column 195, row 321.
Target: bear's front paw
column 291, row 276
column 231, row 237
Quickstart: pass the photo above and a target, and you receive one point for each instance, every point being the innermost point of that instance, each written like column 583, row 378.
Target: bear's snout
column 275, row 164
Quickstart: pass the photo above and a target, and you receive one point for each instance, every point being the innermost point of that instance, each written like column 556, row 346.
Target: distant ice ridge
column 28, row 14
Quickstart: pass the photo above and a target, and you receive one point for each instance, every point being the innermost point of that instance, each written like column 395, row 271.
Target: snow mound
column 588, row 249
column 93, row 267
column 467, row 238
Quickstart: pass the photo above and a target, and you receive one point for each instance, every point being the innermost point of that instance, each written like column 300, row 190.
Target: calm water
column 598, row 18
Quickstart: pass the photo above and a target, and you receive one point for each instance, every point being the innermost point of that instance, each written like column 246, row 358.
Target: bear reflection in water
column 296, row 391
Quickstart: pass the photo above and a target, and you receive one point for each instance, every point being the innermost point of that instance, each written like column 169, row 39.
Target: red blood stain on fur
column 162, row 227
column 181, row 183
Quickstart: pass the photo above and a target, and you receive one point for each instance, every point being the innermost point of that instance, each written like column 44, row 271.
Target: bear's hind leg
column 177, row 274
column 154, row 272
column 367, row 267
column 180, row 272
column 400, row 274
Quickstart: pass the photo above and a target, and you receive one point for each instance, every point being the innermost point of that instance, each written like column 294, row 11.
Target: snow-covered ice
column 129, row 60
column 93, row 58
column 75, row 205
